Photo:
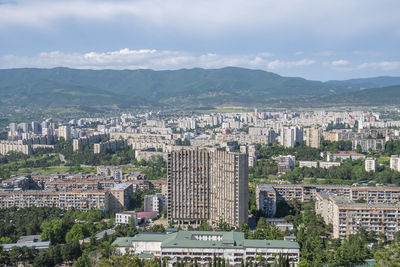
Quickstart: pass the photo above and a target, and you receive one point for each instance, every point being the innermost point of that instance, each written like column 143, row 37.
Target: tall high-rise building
column 65, row 132
column 188, row 187
column 35, row 127
column 290, row 136
column 228, row 188
column 207, row 186
column 312, row 137
column 13, row 127
column 24, row 127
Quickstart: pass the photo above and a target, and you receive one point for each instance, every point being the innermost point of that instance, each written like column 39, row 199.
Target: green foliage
column 14, row 161
column 184, row 142
column 389, row 255
column 266, row 231
column 204, row 226
column 77, row 232
column 27, row 221
column 54, row 231
column 130, row 88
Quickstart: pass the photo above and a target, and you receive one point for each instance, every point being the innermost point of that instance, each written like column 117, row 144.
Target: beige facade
column 120, row 196
column 207, row 186
column 347, row 216
column 312, row 137
column 188, row 186
column 82, row 200
column 15, row 146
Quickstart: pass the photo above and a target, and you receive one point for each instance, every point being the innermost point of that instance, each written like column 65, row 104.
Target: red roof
column 142, row 214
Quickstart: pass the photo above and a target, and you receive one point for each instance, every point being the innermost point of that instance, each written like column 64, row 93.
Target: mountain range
column 186, row 88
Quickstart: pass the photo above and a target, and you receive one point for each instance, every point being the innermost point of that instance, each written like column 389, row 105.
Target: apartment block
column 112, row 145
column 85, row 141
column 155, row 202
column 312, row 137
column 15, row 146
column 120, row 196
column 286, row 163
column 267, row 195
column 207, row 186
column 342, row 155
column 395, row 162
column 228, row 188
column 266, row 199
column 308, row 164
column 290, row 136
column 370, row 164
column 64, row 132
column 82, row 200
column 329, row 164
column 347, row 216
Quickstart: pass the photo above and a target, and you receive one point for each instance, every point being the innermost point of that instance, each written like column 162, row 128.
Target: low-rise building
column 124, row 218
column 309, row 164
column 342, row 155
column 202, row 246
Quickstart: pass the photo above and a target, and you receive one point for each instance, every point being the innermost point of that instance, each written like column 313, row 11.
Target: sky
column 314, row 39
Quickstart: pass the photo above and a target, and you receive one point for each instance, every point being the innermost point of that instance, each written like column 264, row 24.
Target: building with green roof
column 204, row 245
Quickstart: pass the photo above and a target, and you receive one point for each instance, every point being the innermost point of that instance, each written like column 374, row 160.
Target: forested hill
column 43, row 88
column 367, row 97
column 61, row 86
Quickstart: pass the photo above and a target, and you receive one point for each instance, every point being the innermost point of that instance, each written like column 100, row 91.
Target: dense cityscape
column 233, row 188
column 212, row 133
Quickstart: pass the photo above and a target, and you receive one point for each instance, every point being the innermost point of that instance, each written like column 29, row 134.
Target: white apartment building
column 395, row 162
column 370, row 164
column 290, row 136
column 122, row 218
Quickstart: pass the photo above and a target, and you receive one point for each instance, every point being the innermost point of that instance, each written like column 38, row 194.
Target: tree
column 223, row 226
column 53, row 231
column 389, row 256
column 204, row 226
column 77, row 232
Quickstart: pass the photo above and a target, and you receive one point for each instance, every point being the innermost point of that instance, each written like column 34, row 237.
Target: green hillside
column 42, row 89
column 371, row 97
column 61, row 86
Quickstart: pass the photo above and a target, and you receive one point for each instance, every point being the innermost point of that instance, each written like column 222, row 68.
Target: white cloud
column 383, row 65
column 147, row 58
column 278, row 64
column 346, row 18
column 340, row 62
